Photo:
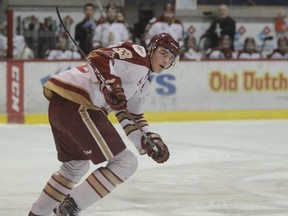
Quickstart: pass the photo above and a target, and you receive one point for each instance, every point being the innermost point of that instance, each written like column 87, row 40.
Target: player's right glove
column 115, row 97
column 163, row 153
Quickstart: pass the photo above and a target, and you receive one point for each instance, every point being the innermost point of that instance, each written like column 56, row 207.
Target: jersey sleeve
column 136, row 108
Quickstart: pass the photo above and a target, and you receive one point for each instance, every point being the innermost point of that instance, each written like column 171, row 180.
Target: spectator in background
column 145, row 15
column 249, row 51
column 191, row 51
column 110, row 30
column 282, row 49
column 166, row 23
column 20, row 48
column 3, row 40
column 122, row 18
column 223, row 51
column 85, row 29
column 281, row 24
column 223, row 25
column 62, row 50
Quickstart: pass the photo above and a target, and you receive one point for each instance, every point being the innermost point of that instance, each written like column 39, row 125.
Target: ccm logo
column 15, row 88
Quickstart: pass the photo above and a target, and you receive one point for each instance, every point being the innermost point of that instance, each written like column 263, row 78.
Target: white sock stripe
column 58, row 186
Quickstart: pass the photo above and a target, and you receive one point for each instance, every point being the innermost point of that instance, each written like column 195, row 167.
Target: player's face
column 62, row 43
column 169, row 13
column 250, row 46
column 111, row 14
column 89, row 11
column 225, row 44
column 283, row 45
column 223, row 11
column 161, row 59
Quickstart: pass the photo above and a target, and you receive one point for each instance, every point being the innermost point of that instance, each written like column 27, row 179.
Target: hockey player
column 62, row 50
column 110, row 30
column 282, row 50
column 166, row 23
column 249, row 51
column 223, row 51
column 79, row 103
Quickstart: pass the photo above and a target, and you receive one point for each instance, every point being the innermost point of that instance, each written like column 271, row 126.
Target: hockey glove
column 163, row 153
column 115, row 97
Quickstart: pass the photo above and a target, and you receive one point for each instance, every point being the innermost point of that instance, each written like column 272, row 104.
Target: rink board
column 204, row 90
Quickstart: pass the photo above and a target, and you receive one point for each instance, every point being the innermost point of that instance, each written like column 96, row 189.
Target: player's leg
column 58, row 186
column 75, row 163
column 99, row 184
column 102, row 143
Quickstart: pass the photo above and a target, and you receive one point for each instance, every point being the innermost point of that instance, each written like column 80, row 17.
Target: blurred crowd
column 112, row 28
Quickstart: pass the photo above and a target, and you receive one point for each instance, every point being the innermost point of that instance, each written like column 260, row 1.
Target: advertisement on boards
column 15, row 92
column 3, row 84
column 220, row 85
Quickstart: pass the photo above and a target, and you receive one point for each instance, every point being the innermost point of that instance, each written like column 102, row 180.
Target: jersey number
column 123, row 53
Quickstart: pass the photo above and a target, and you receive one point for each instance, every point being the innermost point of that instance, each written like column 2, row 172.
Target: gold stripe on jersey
column 93, row 54
column 95, row 133
column 52, row 192
column 129, row 128
column 123, row 115
column 98, row 187
column 68, row 91
column 137, row 116
column 110, row 176
column 63, row 181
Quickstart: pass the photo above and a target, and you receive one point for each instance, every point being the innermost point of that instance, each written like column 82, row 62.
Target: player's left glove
column 163, row 153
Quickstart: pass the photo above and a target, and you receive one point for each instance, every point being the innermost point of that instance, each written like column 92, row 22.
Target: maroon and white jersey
column 56, row 54
column 158, row 25
column 277, row 54
column 220, row 54
column 242, row 54
column 130, row 63
column 107, row 34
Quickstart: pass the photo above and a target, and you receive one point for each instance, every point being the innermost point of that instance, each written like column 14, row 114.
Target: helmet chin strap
column 151, row 52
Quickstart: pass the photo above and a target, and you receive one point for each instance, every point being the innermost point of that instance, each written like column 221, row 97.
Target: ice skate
column 67, row 207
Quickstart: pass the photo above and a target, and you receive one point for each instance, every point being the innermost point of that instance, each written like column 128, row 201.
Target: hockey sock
column 105, row 179
column 100, row 183
column 54, row 192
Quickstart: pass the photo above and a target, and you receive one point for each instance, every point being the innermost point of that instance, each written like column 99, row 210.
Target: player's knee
column 131, row 162
column 74, row 170
column 124, row 164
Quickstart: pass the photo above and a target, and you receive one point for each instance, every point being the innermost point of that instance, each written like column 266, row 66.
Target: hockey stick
column 102, row 80
column 100, row 7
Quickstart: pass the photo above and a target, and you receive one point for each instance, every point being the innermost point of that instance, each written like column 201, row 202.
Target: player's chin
column 159, row 69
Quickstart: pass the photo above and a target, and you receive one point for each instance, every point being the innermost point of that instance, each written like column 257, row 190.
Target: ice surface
column 229, row 168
